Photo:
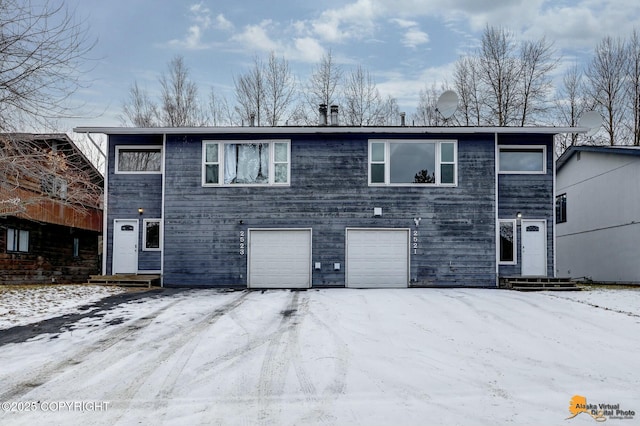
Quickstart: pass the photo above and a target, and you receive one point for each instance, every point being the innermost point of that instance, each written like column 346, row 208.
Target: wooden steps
column 538, row 284
column 126, row 280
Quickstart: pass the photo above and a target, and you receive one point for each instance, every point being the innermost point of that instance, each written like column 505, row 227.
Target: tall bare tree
column 633, row 86
column 280, row 88
column 43, row 53
column 251, row 92
column 466, row 82
column 180, row 105
column 537, row 62
column 139, row 110
column 363, row 103
column 219, row 112
column 606, row 74
column 570, row 104
column 323, row 87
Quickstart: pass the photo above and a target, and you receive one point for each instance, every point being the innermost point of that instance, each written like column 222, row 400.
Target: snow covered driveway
column 335, row 357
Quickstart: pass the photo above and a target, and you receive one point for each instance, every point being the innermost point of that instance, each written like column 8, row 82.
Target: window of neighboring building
column 151, row 235
column 138, row 159
column 17, row 240
column 507, row 241
column 246, row 163
column 419, row 162
column 522, row 159
column 561, row 208
column 54, row 186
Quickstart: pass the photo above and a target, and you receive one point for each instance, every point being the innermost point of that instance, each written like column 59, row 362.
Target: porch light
column 140, row 210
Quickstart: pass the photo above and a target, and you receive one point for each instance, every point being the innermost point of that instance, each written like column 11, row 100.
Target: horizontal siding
column 530, row 194
column 128, row 192
column 328, row 193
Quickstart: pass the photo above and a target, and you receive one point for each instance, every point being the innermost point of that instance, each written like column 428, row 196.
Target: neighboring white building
column 598, row 213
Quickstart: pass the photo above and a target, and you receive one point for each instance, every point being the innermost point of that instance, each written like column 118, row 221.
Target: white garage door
column 279, row 258
column 377, row 258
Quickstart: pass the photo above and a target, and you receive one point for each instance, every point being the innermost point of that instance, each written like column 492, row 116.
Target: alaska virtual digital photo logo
column 600, row 412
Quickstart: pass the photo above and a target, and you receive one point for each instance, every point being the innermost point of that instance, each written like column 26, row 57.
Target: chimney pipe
column 334, row 115
column 252, row 119
column 322, row 119
column 402, row 117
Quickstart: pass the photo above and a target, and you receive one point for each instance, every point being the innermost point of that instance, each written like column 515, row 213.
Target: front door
column 125, row 246
column 534, row 248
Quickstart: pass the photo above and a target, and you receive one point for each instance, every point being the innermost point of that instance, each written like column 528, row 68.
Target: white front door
column 125, row 246
column 534, row 248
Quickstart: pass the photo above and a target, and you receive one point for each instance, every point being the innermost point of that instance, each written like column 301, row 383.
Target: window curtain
column 246, row 163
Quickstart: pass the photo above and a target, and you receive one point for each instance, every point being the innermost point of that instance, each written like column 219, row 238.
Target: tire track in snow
column 49, row 371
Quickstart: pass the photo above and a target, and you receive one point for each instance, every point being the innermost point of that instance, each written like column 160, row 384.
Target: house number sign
column 414, row 242
column 242, row 243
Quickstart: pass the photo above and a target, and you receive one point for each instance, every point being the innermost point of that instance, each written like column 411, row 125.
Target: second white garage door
column 279, row 258
column 377, row 258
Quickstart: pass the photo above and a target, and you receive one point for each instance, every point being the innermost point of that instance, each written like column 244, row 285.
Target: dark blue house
column 299, row 207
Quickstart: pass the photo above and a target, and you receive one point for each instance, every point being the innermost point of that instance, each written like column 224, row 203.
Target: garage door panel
column 377, row 258
column 279, row 258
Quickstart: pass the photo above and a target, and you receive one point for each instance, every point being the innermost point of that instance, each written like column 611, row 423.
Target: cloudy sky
column 405, row 44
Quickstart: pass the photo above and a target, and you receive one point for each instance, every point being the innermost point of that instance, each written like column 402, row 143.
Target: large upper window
column 522, row 159
column 507, row 241
column 245, row 163
column 412, row 162
column 138, row 159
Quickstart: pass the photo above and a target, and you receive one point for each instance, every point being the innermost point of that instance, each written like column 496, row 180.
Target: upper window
column 151, row 236
column 17, row 240
column 507, row 241
column 412, row 162
column 246, row 163
column 561, row 208
column 138, row 159
column 522, row 159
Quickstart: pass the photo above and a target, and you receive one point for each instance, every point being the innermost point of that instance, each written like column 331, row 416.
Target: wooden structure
column 48, row 233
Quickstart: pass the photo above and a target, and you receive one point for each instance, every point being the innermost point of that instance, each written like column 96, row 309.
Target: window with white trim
column 138, row 159
column 17, row 240
column 246, row 163
column 413, row 162
column 151, row 235
column 508, row 236
column 518, row 159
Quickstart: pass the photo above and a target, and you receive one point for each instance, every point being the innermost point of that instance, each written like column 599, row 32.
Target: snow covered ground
column 331, row 357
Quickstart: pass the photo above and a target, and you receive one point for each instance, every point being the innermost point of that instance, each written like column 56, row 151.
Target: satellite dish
column 592, row 120
column 447, row 104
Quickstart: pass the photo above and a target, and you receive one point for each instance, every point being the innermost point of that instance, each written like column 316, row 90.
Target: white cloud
column 308, row 49
column 353, row 21
column 256, row 37
column 201, row 18
column 223, row 23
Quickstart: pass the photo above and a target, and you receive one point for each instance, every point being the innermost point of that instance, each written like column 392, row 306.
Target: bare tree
column 427, row 113
column 322, row 88
column 40, row 169
column 606, row 77
column 363, row 104
column 219, row 112
column 43, row 50
column 280, row 88
column 570, row 105
column 180, row 106
column 500, row 72
column 633, row 86
column 466, row 82
column 537, row 62
column 139, row 110
column 250, row 92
